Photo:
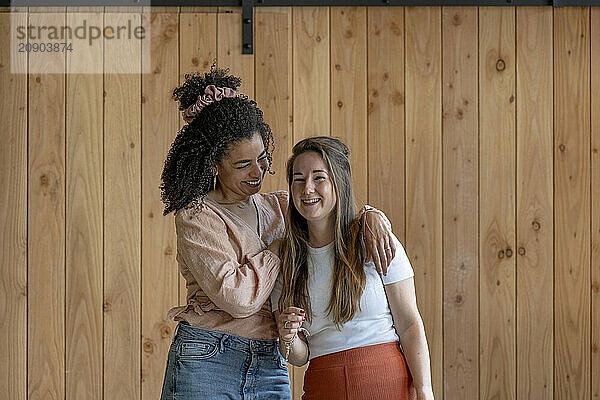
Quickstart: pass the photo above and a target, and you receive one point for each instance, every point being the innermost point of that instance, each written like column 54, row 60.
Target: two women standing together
column 302, row 254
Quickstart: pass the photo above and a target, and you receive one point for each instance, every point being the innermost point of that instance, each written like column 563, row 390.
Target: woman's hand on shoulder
column 379, row 240
column 275, row 246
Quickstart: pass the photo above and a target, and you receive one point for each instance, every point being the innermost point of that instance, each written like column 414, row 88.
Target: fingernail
column 303, row 319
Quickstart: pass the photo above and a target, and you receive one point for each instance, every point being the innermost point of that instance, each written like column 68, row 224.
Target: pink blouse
column 228, row 271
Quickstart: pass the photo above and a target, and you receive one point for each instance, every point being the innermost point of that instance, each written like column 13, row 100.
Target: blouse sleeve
column 276, row 293
column 283, row 198
column 239, row 289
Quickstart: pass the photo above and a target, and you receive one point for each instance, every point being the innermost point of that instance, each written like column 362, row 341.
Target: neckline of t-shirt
column 321, row 250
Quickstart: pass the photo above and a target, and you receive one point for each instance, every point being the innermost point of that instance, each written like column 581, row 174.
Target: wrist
column 288, row 340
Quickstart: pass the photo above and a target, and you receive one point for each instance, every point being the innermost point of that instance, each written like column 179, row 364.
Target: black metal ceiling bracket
column 247, row 26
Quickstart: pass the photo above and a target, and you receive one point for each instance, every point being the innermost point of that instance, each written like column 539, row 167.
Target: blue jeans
column 204, row 364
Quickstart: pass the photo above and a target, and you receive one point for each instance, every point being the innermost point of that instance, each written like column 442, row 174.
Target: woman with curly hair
column 225, row 345
column 328, row 290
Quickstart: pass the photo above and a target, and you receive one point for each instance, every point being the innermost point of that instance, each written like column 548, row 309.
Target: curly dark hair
column 188, row 172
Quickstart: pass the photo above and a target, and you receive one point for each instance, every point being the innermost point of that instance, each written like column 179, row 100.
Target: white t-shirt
column 371, row 325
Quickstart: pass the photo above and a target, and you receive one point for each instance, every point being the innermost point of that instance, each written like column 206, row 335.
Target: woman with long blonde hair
column 361, row 331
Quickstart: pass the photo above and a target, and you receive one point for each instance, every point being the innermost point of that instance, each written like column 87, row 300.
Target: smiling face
column 241, row 172
column 312, row 188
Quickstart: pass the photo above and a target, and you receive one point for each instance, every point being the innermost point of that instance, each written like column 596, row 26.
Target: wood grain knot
column 348, row 34
column 386, row 76
column 375, row 93
column 397, row 98
column 396, row 30
column 521, row 251
column 511, row 99
column 536, row 225
column 340, row 104
column 318, row 39
column 562, row 147
column 338, row 67
column 509, row 252
column 38, row 79
column 168, row 251
column 171, row 31
column 501, row 254
column 44, row 181
column 165, row 331
column 459, row 299
column 148, row 346
column 595, row 287
column 195, row 61
column 500, row 65
column 456, row 20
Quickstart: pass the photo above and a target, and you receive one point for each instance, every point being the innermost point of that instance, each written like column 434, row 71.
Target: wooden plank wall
column 477, row 131
column 497, row 283
column 460, row 154
column 534, row 204
column 46, row 221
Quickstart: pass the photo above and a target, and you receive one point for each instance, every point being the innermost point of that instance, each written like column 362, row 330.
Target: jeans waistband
column 188, row 332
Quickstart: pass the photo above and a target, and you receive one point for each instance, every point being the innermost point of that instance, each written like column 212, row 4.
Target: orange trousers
column 364, row 373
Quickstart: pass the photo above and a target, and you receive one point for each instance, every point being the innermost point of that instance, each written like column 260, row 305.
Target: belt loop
column 222, row 343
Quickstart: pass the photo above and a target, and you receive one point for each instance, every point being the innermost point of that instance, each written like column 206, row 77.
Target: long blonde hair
column 349, row 276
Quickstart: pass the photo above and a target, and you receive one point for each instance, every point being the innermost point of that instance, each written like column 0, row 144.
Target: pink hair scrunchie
column 211, row 94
